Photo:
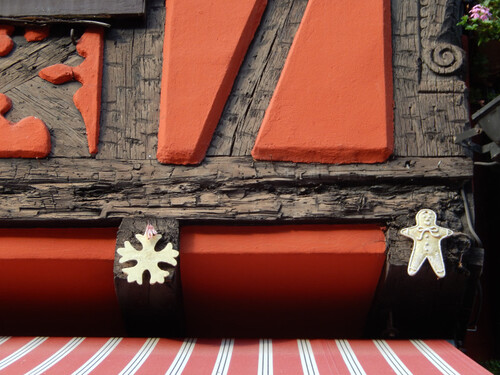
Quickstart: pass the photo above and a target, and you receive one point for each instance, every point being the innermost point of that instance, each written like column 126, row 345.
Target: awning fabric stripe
column 391, row 358
column 265, row 357
column 128, row 356
column 53, row 359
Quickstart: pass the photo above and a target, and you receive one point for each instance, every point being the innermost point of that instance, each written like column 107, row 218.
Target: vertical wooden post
column 149, row 310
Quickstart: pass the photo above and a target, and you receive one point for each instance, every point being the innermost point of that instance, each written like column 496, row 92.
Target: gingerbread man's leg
column 437, row 263
column 416, row 260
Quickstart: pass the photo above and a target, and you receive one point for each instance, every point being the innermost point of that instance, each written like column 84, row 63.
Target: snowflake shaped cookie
column 147, row 259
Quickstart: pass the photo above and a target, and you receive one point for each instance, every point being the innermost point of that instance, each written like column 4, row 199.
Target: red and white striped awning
column 57, row 355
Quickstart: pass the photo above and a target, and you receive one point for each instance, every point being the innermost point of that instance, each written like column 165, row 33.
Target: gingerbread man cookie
column 426, row 236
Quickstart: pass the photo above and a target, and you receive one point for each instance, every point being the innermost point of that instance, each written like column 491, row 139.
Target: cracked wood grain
column 225, row 188
column 425, row 121
column 131, row 88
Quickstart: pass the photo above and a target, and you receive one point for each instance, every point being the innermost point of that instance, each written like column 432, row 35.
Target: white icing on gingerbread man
column 426, row 236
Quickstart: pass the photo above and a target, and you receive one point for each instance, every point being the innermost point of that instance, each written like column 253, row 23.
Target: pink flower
column 480, row 12
column 150, row 231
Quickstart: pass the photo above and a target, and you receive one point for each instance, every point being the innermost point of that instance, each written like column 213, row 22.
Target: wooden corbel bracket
column 151, row 303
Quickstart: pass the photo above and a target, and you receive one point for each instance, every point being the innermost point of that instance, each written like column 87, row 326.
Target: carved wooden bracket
column 149, row 309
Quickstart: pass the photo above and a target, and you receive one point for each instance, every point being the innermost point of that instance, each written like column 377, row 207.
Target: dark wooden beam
column 71, row 8
column 226, row 188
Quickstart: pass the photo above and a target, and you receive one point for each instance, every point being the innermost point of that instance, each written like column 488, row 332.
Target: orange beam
column 298, row 280
column 58, row 281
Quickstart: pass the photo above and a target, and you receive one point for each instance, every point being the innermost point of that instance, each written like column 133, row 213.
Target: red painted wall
column 279, row 281
column 58, row 281
column 333, row 101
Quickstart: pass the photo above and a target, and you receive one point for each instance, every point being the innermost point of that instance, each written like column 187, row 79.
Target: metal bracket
column 459, row 138
column 464, row 139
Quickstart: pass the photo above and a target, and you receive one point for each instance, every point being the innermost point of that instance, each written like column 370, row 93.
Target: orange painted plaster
column 58, row 281
column 333, row 101
column 6, row 43
column 58, row 243
column 89, row 73
column 279, row 281
column 57, row 74
column 36, row 34
column 28, row 138
column 205, row 43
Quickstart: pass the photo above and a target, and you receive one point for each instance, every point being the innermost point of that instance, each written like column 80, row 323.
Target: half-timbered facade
column 280, row 147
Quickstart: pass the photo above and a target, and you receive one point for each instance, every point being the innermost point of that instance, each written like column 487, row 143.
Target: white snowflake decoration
column 147, row 259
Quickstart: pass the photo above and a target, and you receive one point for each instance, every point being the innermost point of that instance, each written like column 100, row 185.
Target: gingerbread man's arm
column 445, row 232
column 408, row 232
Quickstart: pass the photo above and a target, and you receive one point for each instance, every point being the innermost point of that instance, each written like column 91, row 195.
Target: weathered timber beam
column 231, row 170
column 225, row 188
column 91, row 202
column 193, row 202
column 430, row 103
